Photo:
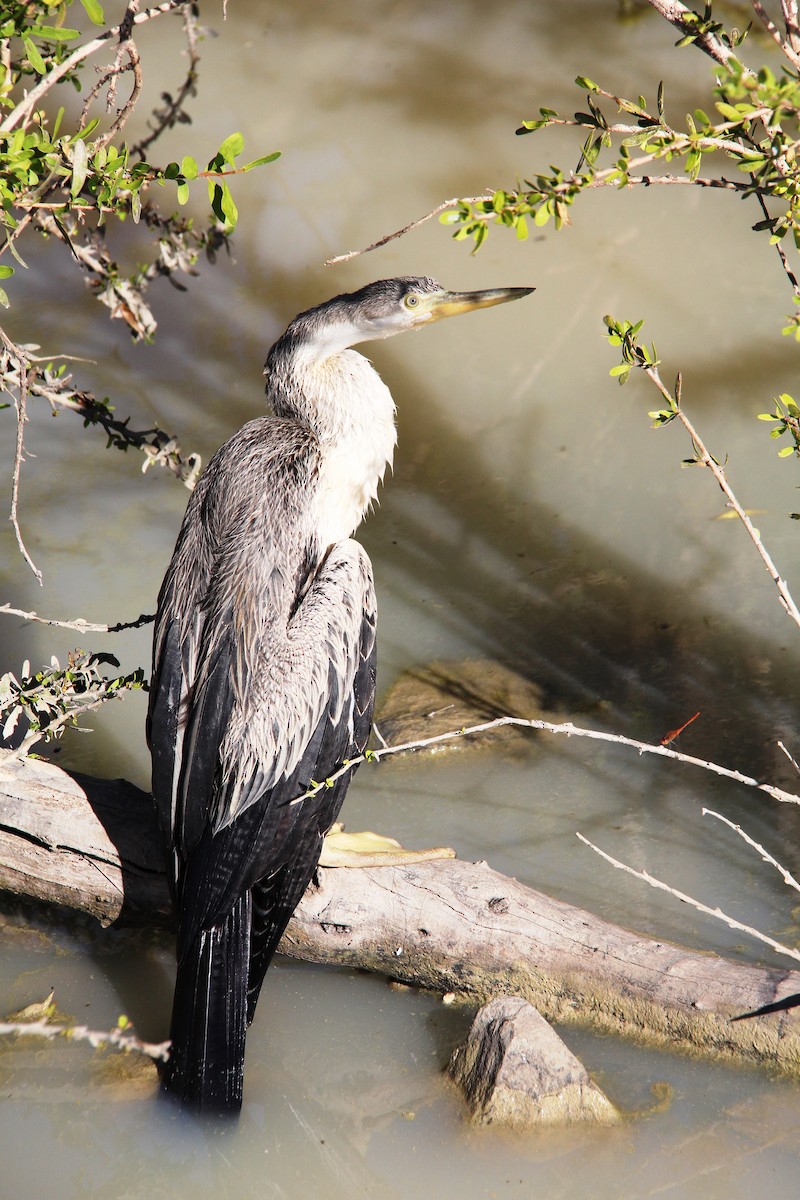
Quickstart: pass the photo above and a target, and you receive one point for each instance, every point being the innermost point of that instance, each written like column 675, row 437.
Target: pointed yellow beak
column 449, row 304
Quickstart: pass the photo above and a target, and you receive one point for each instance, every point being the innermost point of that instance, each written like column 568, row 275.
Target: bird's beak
column 449, row 304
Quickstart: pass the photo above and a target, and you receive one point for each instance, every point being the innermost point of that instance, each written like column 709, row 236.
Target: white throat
column 357, row 435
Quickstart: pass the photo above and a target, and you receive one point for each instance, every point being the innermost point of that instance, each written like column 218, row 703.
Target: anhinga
column 264, row 662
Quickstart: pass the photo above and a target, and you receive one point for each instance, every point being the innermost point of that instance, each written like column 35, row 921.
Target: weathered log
column 449, row 926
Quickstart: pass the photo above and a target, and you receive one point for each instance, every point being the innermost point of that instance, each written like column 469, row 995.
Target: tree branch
column 35, row 95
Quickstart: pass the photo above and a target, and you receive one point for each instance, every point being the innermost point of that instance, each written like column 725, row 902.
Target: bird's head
column 387, row 307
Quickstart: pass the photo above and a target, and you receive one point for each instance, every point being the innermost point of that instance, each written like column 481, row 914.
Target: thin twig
column 569, row 730
column 79, row 623
column 788, row 878
column 788, row 755
column 677, row 13
column 789, row 951
column 602, row 179
column 775, row 34
column 707, row 460
column 28, row 105
column 19, row 457
column 389, row 237
column 82, row 1033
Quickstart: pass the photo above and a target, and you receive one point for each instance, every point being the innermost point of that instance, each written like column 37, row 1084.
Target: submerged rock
column 446, row 696
column 515, row 1070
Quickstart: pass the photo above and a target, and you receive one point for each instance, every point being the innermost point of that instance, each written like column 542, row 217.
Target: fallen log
column 449, row 926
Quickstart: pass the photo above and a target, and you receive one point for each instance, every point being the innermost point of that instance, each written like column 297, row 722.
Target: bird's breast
column 357, row 436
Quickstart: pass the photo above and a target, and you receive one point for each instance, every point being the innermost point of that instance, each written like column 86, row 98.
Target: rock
column 444, row 696
column 515, row 1070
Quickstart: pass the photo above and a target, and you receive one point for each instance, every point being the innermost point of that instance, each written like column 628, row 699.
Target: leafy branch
column 53, row 698
column 67, row 182
column 624, row 336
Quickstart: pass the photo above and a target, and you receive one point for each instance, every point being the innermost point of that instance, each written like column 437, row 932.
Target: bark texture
column 450, row 926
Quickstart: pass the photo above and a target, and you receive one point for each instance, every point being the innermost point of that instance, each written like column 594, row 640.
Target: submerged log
column 449, row 926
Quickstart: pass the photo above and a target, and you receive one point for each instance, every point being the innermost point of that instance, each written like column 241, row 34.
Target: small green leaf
column 80, row 165
column 94, row 11
column 189, row 168
column 786, row 451
column 33, row 55
column 183, row 192
column 232, row 146
column 4, row 300
column 222, row 204
column 587, row 84
column 259, row 162
column 6, row 272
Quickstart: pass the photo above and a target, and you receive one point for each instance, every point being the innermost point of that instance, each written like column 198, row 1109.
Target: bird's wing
column 223, row 586
column 259, row 685
column 301, row 724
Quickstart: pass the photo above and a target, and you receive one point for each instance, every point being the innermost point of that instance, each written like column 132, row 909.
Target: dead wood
column 450, row 926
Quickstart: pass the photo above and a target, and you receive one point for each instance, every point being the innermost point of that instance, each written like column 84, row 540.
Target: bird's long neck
column 339, row 395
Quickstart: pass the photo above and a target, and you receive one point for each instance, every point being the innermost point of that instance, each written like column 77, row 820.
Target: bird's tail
column 209, row 1016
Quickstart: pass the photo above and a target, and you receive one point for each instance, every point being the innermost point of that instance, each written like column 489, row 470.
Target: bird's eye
column 411, row 300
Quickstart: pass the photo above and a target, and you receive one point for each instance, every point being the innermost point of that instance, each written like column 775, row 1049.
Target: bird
column 264, row 653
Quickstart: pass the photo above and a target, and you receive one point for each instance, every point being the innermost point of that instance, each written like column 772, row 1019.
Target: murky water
column 533, row 517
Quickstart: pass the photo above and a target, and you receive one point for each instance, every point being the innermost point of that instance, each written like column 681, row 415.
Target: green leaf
column 189, row 168
column 53, row 34
column 4, row 300
column 767, row 417
column 522, row 229
column 33, row 55
column 222, row 204
column 94, row 11
column 6, row 272
column 232, row 146
column 259, row 162
column 183, row 192
column 587, row 84
column 80, row 165
column 786, row 451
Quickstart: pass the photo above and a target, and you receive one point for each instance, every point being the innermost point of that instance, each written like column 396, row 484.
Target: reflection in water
column 534, row 518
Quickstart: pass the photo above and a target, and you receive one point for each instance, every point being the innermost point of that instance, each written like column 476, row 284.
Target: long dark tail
column 209, row 1016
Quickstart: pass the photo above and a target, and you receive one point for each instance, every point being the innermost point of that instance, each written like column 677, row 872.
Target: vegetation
column 67, row 174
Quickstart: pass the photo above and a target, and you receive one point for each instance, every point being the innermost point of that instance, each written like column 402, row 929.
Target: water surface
column 533, row 518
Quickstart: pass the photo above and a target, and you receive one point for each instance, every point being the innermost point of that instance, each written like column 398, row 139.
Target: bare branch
column 79, row 623
column 569, row 730
column 20, row 402
column 82, row 1033
column 389, row 237
column 677, row 13
column 789, row 756
column 23, row 110
column 706, row 459
column 717, row 913
column 775, row 33
column 788, row 878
